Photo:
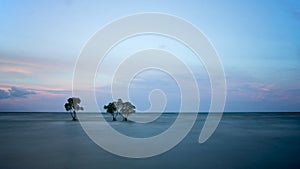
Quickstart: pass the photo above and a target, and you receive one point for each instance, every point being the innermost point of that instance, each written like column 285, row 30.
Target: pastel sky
column 258, row 42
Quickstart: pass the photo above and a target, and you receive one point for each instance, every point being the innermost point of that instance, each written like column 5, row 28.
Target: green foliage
column 127, row 109
column 120, row 107
column 72, row 105
column 111, row 108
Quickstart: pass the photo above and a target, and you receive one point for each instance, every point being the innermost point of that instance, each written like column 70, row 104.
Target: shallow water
column 242, row 140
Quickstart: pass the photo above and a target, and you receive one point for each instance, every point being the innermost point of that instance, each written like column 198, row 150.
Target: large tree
column 111, row 109
column 72, row 106
column 126, row 110
column 120, row 107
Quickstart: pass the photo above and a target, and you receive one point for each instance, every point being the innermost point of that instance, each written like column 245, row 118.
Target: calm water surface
column 242, row 140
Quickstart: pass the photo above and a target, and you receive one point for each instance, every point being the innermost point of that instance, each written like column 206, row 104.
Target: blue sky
column 258, row 43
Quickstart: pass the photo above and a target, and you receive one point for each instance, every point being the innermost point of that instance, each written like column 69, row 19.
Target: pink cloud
column 24, row 99
column 254, row 91
column 15, row 69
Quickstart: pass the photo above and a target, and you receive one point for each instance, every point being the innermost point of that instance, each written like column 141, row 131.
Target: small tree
column 126, row 110
column 111, row 109
column 119, row 105
column 72, row 106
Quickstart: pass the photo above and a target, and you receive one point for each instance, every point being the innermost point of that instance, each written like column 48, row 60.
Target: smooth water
column 242, row 140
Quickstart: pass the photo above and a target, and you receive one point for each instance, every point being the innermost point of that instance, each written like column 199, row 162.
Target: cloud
column 252, row 91
column 32, row 99
column 4, row 94
column 15, row 92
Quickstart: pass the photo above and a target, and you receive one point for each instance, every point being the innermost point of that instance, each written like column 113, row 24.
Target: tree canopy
column 120, row 107
column 127, row 109
column 111, row 108
column 72, row 106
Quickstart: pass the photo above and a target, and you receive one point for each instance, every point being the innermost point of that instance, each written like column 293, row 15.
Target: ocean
column 241, row 141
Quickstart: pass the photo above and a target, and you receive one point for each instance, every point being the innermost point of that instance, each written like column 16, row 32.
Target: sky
column 258, row 44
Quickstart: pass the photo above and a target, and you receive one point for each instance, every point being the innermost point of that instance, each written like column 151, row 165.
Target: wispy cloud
column 24, row 98
column 4, row 94
column 12, row 63
column 15, row 69
column 15, row 92
column 255, row 92
column 31, row 72
column 252, row 91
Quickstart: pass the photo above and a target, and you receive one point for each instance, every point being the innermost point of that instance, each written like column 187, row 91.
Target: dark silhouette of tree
column 72, row 106
column 111, row 109
column 120, row 107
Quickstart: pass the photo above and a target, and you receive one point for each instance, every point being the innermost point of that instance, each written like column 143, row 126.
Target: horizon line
column 167, row 112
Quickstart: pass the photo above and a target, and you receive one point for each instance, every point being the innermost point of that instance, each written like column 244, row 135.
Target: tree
column 126, row 110
column 72, row 106
column 119, row 105
column 111, row 108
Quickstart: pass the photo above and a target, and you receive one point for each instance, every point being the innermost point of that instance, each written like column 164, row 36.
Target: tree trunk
column 74, row 116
